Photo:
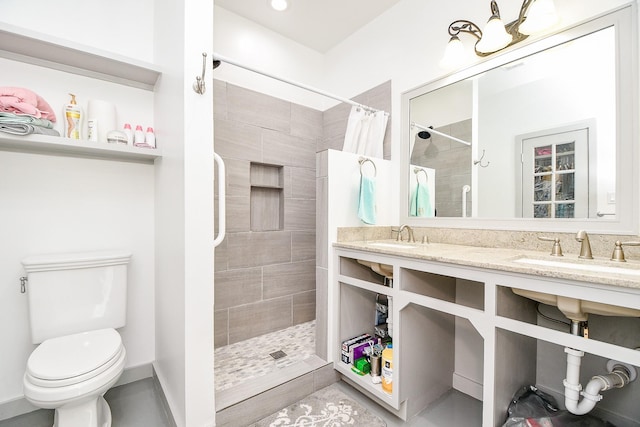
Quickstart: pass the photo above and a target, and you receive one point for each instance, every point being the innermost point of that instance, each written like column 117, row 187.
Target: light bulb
column 494, row 37
column 540, row 16
column 455, row 54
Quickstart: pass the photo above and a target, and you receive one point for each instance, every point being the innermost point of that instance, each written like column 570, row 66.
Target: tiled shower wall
column 265, row 280
column 451, row 161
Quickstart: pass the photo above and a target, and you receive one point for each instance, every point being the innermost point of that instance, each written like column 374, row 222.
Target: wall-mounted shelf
column 34, row 48
column 55, row 145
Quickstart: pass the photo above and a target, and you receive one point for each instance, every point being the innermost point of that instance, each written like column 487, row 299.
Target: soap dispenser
column 73, row 119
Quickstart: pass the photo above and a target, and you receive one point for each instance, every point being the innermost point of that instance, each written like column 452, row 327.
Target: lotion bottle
column 73, row 119
column 129, row 133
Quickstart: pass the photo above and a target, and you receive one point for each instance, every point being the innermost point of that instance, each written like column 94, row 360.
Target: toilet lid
column 73, row 355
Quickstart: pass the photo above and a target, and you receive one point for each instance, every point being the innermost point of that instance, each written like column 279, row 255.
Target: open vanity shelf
column 461, row 331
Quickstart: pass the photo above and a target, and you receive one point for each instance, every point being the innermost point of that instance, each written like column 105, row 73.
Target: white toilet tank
column 76, row 292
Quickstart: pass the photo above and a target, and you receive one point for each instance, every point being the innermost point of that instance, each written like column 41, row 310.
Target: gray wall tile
column 237, row 287
column 247, row 106
column 220, row 99
column 284, row 149
column 252, row 320
column 288, row 279
column 237, row 177
column 299, row 214
column 322, row 301
column 258, row 248
column 238, row 214
column 303, row 245
column 220, row 333
column 306, row 122
column 235, row 140
column 303, row 183
column 304, row 307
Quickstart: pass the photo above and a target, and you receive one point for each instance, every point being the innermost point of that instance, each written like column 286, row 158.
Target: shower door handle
column 221, row 200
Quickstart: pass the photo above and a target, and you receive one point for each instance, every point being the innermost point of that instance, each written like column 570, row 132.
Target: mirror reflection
column 541, row 132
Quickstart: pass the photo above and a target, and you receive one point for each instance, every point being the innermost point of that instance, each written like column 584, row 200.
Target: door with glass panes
column 555, row 175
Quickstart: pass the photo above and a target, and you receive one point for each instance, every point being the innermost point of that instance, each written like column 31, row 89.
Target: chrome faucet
column 585, row 247
column 410, row 236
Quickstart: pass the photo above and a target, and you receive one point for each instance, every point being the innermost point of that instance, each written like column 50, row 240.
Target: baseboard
column 15, row 407
column 467, row 386
column 20, row 405
column 163, row 399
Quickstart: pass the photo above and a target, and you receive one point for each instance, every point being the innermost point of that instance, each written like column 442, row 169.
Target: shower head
column 216, row 63
column 423, row 134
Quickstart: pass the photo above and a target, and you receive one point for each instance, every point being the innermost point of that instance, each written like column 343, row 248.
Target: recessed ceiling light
column 279, row 5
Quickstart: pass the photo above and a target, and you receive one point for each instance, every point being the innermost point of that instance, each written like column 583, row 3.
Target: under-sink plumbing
column 620, row 374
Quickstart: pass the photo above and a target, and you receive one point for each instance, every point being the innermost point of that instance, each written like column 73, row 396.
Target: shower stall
column 266, row 267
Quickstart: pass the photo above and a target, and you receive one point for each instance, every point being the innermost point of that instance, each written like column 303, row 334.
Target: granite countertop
column 506, row 260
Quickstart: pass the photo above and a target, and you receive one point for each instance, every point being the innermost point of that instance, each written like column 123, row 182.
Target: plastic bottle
column 129, row 133
column 73, row 119
column 387, row 369
column 150, row 138
column 138, row 137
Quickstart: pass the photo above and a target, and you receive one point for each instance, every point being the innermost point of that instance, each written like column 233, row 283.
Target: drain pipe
column 620, row 374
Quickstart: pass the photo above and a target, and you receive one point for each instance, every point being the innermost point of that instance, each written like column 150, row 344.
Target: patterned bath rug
column 328, row 407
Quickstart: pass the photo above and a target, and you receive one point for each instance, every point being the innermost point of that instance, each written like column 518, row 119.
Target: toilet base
column 89, row 413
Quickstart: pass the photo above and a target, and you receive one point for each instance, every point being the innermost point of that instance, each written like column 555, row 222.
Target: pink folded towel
column 19, row 100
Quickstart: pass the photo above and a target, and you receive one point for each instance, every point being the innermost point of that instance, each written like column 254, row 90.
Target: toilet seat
column 71, row 359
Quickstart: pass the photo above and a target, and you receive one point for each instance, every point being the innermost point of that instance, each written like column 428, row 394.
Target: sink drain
column 278, row 354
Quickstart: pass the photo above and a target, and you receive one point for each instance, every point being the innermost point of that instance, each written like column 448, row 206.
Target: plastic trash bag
column 531, row 407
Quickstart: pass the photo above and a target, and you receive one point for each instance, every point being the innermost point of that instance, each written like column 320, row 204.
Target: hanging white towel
column 365, row 133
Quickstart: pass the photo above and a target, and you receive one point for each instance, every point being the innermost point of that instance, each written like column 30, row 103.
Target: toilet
column 76, row 303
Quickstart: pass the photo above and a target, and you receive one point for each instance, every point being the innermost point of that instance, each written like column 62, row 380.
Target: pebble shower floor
column 249, row 359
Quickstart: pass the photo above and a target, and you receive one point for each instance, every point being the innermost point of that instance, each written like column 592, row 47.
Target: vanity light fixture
column 535, row 16
column 279, row 5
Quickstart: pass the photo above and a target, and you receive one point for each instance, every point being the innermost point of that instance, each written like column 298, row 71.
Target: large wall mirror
column 543, row 137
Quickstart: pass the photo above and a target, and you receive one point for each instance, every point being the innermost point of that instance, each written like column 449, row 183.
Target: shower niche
column 267, row 197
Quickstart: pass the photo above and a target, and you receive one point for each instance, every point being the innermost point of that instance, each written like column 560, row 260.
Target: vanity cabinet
column 462, row 338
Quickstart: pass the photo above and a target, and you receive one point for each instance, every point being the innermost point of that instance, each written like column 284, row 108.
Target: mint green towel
column 367, row 200
column 420, row 202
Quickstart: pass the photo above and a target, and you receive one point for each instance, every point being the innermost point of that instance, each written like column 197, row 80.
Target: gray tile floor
column 138, row 405
column 135, row 404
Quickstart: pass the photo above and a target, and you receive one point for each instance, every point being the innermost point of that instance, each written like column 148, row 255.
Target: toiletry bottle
column 150, row 138
column 138, row 137
column 129, row 133
column 387, row 369
column 73, row 119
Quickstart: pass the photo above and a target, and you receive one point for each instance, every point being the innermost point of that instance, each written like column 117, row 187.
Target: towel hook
column 363, row 160
column 475, row 162
column 198, row 85
column 417, row 171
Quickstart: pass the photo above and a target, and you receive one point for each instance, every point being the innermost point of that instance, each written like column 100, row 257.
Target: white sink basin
column 392, row 245
column 595, row 268
column 575, row 308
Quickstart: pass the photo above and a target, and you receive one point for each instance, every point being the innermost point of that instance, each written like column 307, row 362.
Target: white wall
column 250, row 44
column 122, row 27
column 184, row 213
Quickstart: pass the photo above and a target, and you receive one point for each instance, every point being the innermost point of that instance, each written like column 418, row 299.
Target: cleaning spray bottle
column 73, row 119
